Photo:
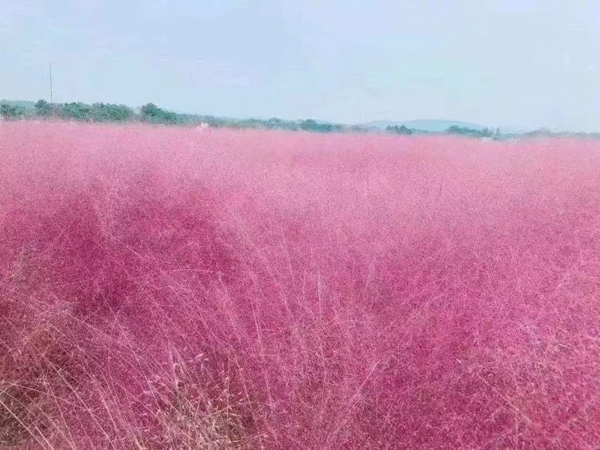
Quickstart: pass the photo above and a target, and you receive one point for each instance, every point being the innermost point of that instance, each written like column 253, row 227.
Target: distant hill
column 431, row 126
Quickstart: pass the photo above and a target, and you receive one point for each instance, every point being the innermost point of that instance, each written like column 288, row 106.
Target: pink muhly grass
column 164, row 288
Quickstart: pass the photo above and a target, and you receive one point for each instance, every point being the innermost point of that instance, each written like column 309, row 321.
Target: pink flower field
column 174, row 288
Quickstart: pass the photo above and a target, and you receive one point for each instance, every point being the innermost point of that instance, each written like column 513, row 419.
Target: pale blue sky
column 510, row 63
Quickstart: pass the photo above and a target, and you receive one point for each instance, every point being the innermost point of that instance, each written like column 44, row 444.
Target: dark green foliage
column 43, row 108
column 403, row 129
column 105, row 112
column 153, row 114
column 150, row 110
column 246, row 123
column 23, row 105
column 310, row 125
column 98, row 112
column 75, row 111
column 313, row 125
column 11, row 112
column 464, row 131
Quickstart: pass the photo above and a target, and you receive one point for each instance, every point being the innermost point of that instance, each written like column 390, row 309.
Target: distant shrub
column 313, row 125
column 11, row 112
column 465, row 131
column 43, row 108
column 403, row 129
column 105, row 112
column 153, row 114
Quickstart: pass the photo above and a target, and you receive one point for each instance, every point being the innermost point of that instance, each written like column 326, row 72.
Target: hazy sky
column 507, row 62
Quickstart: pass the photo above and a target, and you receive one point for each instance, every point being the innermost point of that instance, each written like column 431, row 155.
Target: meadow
column 175, row 288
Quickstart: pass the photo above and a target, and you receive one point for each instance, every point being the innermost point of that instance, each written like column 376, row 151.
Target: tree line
column 149, row 113
column 454, row 129
column 152, row 114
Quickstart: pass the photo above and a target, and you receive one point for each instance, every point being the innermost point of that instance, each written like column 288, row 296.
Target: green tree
column 43, row 108
column 75, row 111
column 313, row 125
column 455, row 129
column 153, row 114
column 487, row 132
column 105, row 112
column 150, row 110
column 11, row 112
column 403, row 129
column 465, row 131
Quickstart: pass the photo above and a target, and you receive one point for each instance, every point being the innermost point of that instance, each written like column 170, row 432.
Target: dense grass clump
column 180, row 288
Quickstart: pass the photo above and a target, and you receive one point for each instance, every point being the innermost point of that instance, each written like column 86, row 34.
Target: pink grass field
column 170, row 288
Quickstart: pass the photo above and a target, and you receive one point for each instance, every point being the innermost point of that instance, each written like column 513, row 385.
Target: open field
column 200, row 289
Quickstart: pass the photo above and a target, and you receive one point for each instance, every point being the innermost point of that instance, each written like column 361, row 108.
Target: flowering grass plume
column 166, row 288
